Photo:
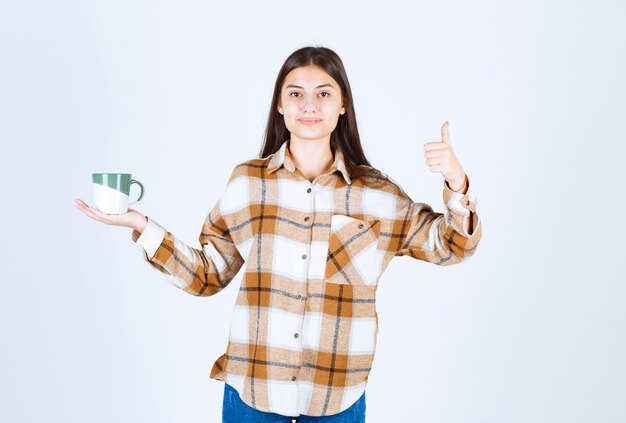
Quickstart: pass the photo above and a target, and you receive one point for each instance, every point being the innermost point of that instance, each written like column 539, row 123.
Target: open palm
column 131, row 219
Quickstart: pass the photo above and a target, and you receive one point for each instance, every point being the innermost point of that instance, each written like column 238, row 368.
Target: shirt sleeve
column 201, row 271
column 440, row 238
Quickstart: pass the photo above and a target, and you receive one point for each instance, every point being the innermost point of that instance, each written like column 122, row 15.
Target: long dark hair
column 346, row 134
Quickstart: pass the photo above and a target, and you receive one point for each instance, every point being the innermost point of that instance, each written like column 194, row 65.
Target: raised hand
column 440, row 158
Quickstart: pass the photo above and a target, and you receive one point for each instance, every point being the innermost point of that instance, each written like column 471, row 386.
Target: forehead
column 309, row 77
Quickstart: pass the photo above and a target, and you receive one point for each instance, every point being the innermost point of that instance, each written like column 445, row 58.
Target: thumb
column 445, row 136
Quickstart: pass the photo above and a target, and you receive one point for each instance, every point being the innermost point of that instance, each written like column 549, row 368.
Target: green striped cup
column 111, row 192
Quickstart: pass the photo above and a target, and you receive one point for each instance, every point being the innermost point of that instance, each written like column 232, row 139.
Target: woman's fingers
column 80, row 204
column 87, row 210
column 127, row 219
column 92, row 212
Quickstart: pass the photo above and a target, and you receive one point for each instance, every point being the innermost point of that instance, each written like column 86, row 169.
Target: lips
column 309, row 121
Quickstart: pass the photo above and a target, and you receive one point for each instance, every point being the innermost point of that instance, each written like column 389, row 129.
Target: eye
column 325, row 92
column 294, row 92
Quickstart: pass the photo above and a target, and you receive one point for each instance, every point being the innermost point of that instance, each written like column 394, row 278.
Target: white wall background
column 531, row 329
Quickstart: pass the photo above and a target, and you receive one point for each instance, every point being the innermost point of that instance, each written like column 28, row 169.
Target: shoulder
column 235, row 193
column 249, row 168
column 244, row 169
column 381, row 195
column 376, row 179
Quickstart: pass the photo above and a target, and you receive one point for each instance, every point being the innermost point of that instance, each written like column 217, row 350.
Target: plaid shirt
column 303, row 330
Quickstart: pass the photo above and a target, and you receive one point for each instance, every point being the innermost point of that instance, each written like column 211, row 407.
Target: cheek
column 331, row 109
column 289, row 117
column 332, row 113
column 290, row 111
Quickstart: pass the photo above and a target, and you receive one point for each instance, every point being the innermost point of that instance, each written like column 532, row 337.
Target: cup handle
column 132, row 181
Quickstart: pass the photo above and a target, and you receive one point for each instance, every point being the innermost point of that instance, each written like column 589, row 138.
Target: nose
column 308, row 104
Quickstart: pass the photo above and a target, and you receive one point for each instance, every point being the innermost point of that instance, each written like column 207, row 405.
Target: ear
column 280, row 108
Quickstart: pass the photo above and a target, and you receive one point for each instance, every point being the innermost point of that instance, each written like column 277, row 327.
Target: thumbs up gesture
column 440, row 158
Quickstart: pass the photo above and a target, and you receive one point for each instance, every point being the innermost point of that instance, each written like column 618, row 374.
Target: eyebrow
column 319, row 86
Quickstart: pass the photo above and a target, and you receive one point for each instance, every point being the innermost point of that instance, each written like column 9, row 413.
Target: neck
column 312, row 157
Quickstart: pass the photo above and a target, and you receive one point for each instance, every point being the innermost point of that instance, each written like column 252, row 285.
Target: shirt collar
column 283, row 158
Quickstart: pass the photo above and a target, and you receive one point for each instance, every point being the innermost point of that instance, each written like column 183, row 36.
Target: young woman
column 317, row 226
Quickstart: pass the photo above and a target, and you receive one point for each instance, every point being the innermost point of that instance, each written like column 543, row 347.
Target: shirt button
column 293, row 378
column 295, row 335
column 308, row 190
column 306, row 219
column 360, row 226
column 304, row 256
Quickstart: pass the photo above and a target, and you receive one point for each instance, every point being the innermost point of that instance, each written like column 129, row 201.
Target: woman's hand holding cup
column 132, row 218
column 111, row 196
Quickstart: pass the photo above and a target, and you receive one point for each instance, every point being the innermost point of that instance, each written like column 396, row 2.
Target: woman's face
column 310, row 101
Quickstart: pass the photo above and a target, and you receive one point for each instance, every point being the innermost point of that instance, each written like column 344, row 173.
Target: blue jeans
column 234, row 410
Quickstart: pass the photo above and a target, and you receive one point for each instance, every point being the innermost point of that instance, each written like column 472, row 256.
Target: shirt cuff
column 151, row 237
column 455, row 201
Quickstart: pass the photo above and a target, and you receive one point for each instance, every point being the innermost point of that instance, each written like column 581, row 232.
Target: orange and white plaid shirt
column 304, row 326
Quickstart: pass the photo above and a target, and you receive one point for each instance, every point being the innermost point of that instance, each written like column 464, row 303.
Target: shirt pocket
column 353, row 257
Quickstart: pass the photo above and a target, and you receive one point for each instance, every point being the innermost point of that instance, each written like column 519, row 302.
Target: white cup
column 111, row 192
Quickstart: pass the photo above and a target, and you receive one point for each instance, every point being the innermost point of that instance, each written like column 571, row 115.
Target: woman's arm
column 201, row 271
column 440, row 238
